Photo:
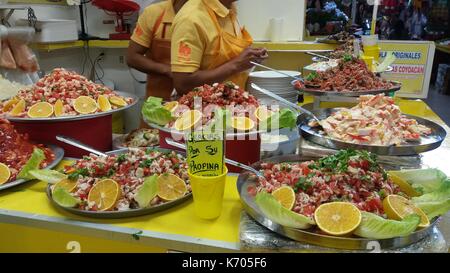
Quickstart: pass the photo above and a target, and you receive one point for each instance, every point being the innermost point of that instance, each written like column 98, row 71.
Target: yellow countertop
column 177, row 228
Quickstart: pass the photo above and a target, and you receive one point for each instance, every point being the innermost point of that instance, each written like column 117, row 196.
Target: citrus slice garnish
column 64, row 198
column 104, row 194
column 67, row 184
column 118, row 101
column 103, row 103
column 286, row 196
column 242, row 123
column 171, row 187
column 18, row 108
column 397, row 207
column 10, row 104
column 59, row 108
column 171, row 106
column 188, row 120
column 5, row 173
column 85, row 105
column 337, row 218
column 403, row 185
column 40, row 110
column 262, row 113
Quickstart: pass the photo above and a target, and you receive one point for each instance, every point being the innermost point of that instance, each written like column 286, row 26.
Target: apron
column 230, row 47
column 159, row 85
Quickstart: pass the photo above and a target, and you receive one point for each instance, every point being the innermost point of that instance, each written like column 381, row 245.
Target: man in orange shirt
column 149, row 49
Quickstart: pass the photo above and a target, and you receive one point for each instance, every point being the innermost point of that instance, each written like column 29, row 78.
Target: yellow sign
column 412, row 67
column 205, row 153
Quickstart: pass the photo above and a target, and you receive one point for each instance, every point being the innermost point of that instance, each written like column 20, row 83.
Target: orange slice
column 85, row 105
column 40, row 110
column 103, row 103
column 171, row 106
column 67, row 184
column 59, row 108
column 18, row 108
column 10, row 104
column 188, row 120
column 5, row 173
column 242, row 123
column 118, row 101
column 337, row 218
column 286, row 196
column 403, row 185
column 262, row 113
column 397, row 207
column 105, row 194
column 171, row 187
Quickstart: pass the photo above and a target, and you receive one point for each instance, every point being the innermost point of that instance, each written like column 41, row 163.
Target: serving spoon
column 229, row 161
column 79, row 144
column 318, row 55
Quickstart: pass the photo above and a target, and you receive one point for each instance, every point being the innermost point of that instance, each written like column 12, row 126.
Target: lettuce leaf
column 49, row 176
column 375, row 227
column 279, row 214
column 147, row 191
column 285, row 118
column 435, row 203
column 32, row 164
column 153, row 111
column 423, row 180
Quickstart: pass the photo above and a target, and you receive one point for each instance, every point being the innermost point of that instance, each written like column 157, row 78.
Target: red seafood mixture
column 129, row 170
column 16, row 149
column 351, row 74
column 350, row 176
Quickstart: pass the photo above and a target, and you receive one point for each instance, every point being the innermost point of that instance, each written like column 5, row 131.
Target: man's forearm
column 185, row 82
column 146, row 65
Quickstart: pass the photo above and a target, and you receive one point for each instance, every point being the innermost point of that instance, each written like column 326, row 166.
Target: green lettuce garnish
column 279, row 214
column 435, row 203
column 153, row 111
column 286, row 118
column 147, row 191
column 375, row 227
column 32, row 164
column 49, row 176
column 423, row 180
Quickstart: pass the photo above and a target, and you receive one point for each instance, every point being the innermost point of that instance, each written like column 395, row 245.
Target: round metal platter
column 326, row 40
column 388, row 69
column 317, row 92
column 311, row 236
column 59, row 155
column 426, row 143
column 79, row 117
column 126, row 213
column 119, row 143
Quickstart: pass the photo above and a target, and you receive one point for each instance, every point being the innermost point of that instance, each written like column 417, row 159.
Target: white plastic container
column 53, row 30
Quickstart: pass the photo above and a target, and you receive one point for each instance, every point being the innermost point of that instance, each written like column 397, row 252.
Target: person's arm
column 136, row 59
column 185, row 82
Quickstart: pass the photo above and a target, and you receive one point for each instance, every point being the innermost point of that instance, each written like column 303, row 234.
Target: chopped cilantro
column 347, row 58
column 146, row 163
column 110, row 172
column 311, row 76
column 77, row 173
column 302, row 184
column 121, row 158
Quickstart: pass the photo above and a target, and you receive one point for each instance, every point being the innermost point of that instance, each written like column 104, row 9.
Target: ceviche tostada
column 18, row 155
column 350, row 194
column 62, row 93
column 375, row 120
column 214, row 106
column 137, row 179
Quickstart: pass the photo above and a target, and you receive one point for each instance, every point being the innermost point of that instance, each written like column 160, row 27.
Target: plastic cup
column 369, row 61
column 207, row 192
column 369, row 40
column 372, row 51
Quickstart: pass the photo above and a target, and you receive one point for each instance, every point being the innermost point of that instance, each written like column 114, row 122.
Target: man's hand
column 242, row 62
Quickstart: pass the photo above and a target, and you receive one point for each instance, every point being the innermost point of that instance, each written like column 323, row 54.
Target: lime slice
column 64, row 198
column 147, row 191
column 279, row 214
column 49, row 176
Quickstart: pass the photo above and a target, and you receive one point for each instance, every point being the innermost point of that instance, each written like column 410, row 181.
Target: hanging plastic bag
column 6, row 56
column 25, row 58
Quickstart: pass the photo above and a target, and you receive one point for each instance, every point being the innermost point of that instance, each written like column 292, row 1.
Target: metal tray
column 317, row 92
column 426, row 143
column 126, row 213
column 79, row 117
column 59, row 154
column 118, row 143
column 310, row 236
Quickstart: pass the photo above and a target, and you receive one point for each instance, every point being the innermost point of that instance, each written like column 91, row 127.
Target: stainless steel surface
column 355, row 93
column 79, row 117
column 80, row 145
column 121, row 214
column 286, row 102
column 277, row 71
column 311, row 236
column 228, row 161
column 426, row 143
column 59, row 155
